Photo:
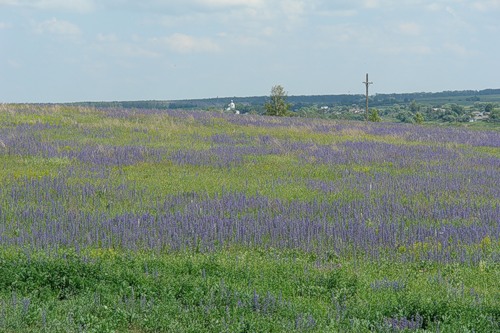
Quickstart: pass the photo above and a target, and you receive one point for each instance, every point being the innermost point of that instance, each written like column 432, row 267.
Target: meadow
column 123, row 220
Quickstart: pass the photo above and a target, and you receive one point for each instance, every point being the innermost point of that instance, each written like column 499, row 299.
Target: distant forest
column 300, row 101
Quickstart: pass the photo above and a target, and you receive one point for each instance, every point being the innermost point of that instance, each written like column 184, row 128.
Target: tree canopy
column 277, row 105
column 373, row 116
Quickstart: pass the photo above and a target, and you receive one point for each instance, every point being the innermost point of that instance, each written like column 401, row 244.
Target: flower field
column 122, row 220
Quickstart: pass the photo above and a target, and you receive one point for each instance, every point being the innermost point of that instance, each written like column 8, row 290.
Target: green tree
column 405, row 117
column 373, row 116
column 308, row 111
column 458, row 109
column 488, row 107
column 277, row 105
column 419, row 118
column 414, row 107
column 495, row 115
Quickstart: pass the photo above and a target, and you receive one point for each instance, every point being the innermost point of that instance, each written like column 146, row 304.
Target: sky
column 54, row 51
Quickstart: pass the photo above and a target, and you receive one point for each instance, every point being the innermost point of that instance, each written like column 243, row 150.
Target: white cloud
column 4, row 25
column 75, row 5
column 450, row 10
column 459, row 49
column 486, row 5
column 397, row 5
column 72, row 5
column 409, row 28
column 294, row 9
column 247, row 41
column 371, row 3
column 434, row 7
column 111, row 45
column 135, row 51
column 58, row 27
column 182, row 7
column 107, row 38
column 398, row 50
column 339, row 13
column 189, row 44
column 342, row 33
column 14, row 63
column 231, row 3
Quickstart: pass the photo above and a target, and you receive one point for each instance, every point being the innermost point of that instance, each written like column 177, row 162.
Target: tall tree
column 419, row 118
column 373, row 116
column 277, row 105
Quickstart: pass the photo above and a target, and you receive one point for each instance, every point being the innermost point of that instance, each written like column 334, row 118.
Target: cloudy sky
column 104, row 50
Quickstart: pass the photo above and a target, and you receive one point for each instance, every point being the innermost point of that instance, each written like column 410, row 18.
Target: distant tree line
column 446, row 106
column 444, row 94
column 296, row 102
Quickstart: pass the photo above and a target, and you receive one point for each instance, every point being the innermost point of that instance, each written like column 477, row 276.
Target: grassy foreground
column 151, row 221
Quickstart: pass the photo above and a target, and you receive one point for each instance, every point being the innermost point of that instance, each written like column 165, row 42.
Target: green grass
column 238, row 291
column 233, row 288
